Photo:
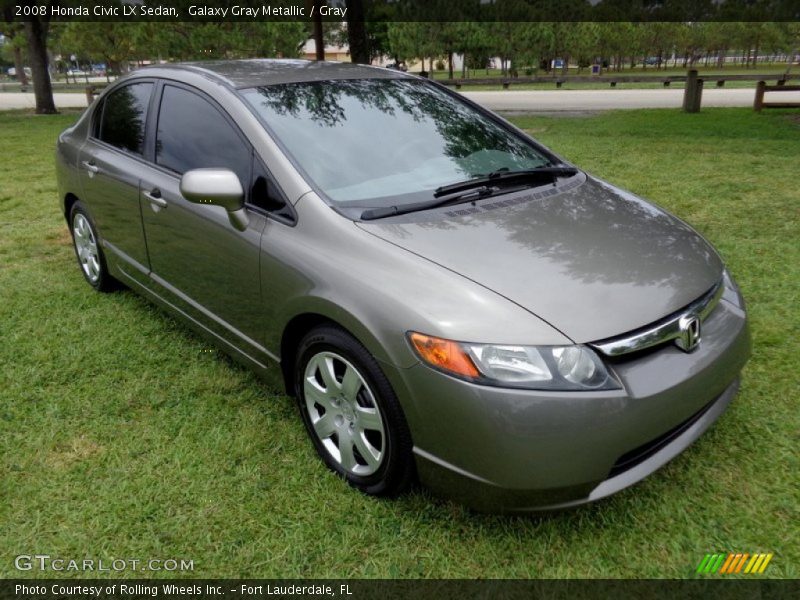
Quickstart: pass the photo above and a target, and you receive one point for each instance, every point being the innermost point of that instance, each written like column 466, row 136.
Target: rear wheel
column 88, row 252
column 352, row 413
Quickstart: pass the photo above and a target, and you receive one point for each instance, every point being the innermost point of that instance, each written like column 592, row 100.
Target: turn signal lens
column 444, row 354
column 560, row 368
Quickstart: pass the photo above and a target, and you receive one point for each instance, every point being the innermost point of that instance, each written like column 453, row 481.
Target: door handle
column 90, row 166
column 154, row 196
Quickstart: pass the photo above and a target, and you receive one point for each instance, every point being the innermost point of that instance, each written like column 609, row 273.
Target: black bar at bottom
column 707, row 588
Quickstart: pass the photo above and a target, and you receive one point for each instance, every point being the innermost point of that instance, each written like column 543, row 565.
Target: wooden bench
column 762, row 88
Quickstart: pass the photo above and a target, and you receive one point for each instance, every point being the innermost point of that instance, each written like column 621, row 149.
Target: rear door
column 206, row 267
column 110, row 163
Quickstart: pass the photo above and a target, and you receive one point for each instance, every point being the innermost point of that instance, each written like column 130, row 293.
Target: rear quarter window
column 124, row 115
column 97, row 118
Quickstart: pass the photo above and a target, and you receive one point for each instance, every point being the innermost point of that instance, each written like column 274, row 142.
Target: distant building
column 332, row 52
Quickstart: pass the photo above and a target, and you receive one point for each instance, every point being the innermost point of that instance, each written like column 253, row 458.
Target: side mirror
column 220, row 187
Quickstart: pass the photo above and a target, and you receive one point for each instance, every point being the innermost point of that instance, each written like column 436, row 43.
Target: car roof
column 263, row 71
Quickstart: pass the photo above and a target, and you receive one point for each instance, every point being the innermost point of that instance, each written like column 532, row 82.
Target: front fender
column 385, row 346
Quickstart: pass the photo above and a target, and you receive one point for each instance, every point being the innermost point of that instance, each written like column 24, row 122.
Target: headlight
column 731, row 292
column 529, row 367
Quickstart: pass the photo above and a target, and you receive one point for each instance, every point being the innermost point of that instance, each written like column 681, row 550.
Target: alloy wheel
column 344, row 414
column 86, row 247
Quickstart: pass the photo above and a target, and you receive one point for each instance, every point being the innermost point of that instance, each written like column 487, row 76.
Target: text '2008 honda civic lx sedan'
column 447, row 299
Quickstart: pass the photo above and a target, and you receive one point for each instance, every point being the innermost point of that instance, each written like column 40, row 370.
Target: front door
column 206, row 267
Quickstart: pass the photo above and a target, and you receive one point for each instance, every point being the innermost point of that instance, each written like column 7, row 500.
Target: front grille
column 664, row 331
column 645, row 451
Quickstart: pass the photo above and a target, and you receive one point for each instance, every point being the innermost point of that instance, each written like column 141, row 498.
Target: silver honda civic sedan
column 447, row 299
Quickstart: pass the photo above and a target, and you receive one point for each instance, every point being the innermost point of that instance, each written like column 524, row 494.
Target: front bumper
column 498, row 449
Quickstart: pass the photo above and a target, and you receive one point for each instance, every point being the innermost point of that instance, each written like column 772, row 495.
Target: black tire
column 104, row 281
column 396, row 471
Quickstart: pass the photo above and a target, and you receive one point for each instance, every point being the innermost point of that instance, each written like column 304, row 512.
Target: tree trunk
column 450, row 65
column 357, row 33
column 22, row 77
column 319, row 42
column 36, row 32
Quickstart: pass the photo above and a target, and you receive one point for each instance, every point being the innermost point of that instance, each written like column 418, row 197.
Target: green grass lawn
column 123, row 435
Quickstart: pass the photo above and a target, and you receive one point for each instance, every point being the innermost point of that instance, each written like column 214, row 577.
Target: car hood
column 590, row 259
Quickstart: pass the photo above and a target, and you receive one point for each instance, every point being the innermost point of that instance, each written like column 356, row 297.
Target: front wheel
column 352, row 414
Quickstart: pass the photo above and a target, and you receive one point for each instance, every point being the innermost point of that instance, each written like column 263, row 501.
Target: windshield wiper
column 503, row 175
column 390, row 211
column 477, row 188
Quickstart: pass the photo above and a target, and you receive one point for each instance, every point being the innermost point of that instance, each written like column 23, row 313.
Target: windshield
column 375, row 142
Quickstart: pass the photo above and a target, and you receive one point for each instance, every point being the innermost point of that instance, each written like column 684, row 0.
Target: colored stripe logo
column 734, row 562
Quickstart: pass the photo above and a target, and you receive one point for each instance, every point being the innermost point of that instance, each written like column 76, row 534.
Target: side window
column 193, row 134
column 124, row 116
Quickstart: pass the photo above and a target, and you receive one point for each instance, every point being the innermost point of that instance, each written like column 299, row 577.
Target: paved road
column 11, row 100
column 525, row 101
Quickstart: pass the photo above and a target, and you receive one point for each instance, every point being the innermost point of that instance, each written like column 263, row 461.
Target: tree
column 616, row 41
column 718, row 40
column 111, row 43
column 273, row 38
column 119, row 43
column 36, row 30
column 366, row 35
column 15, row 44
column 760, row 37
column 582, row 44
column 474, row 45
column 658, row 39
column 319, row 40
column 791, row 36
column 411, row 39
column 446, row 38
column 357, row 33
column 518, row 43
